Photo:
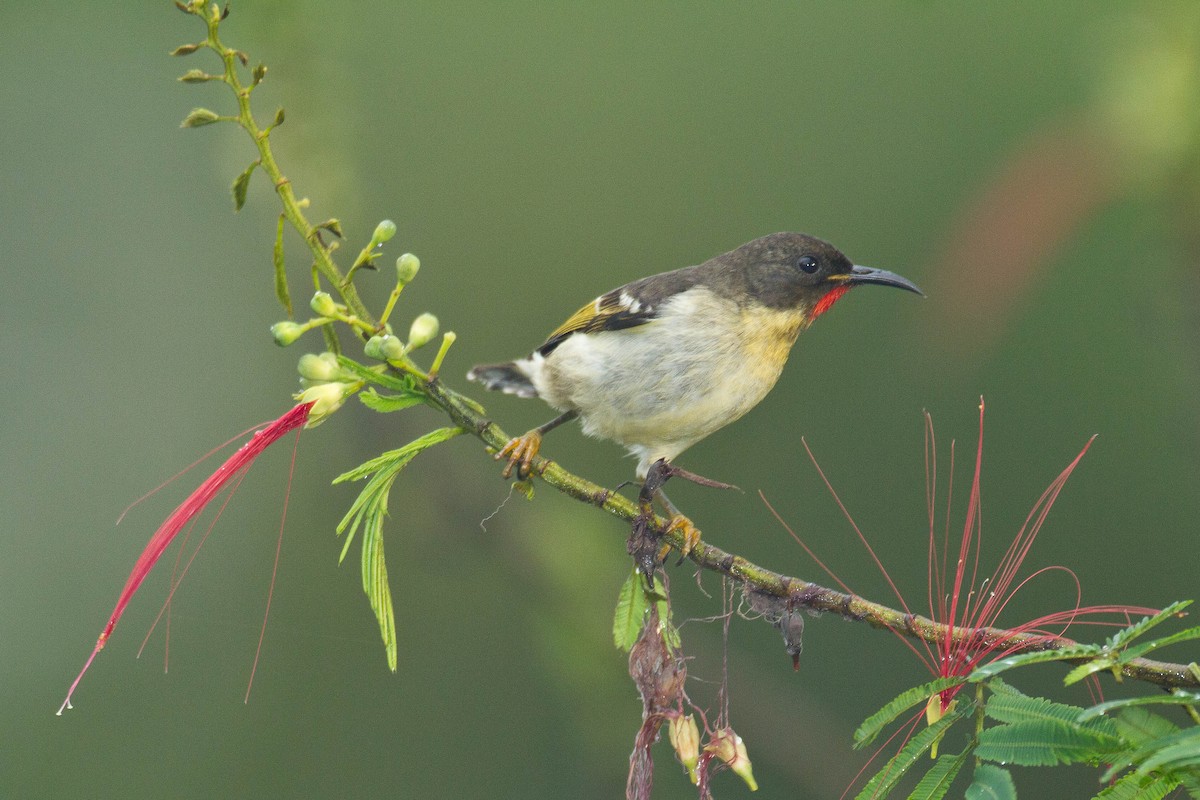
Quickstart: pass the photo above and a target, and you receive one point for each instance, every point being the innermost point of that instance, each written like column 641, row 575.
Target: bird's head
column 796, row 271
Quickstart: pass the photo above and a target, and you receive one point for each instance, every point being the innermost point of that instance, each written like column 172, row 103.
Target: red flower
column 233, row 467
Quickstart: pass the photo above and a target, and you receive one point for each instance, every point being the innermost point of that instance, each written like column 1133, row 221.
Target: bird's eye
column 807, row 263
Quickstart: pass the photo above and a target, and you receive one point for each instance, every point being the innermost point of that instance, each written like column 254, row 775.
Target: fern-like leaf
column 875, row 723
column 992, row 668
column 936, row 782
column 1009, row 705
column 1122, row 638
column 1140, row 650
column 1139, row 726
column 368, row 512
column 1139, row 787
column 884, row 781
column 1176, row 697
column 991, row 783
column 1178, row 751
column 1045, row 743
column 631, row 609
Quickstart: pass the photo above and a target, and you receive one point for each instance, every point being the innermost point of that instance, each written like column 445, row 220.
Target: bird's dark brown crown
column 781, row 270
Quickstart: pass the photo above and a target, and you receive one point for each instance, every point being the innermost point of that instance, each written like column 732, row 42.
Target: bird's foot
column 686, row 530
column 520, row 453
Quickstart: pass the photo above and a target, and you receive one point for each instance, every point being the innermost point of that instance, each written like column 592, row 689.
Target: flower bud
column 326, row 398
column 729, row 747
column 935, row 709
column 383, row 231
column 286, row 332
column 406, row 268
column 319, row 368
column 384, row 348
column 685, row 738
column 423, row 329
column 323, row 304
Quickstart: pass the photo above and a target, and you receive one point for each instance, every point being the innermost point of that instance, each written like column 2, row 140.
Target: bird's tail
column 507, row 377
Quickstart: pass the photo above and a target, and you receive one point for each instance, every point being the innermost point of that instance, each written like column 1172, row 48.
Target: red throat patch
column 826, row 302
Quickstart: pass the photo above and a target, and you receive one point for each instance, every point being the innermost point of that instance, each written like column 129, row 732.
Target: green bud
column 319, row 368
column 286, row 332
column 423, row 329
column 685, row 738
column 729, row 747
column 327, row 398
column 406, row 268
column 383, row 231
column 384, row 348
column 197, row 76
column 323, row 304
column 198, row 117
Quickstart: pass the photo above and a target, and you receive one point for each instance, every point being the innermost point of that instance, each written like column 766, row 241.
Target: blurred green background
column 1031, row 165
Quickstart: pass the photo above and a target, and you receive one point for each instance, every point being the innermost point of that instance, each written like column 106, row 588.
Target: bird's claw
column 686, row 530
column 520, row 452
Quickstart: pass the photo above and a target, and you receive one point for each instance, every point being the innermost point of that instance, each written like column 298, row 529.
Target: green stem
column 322, row 258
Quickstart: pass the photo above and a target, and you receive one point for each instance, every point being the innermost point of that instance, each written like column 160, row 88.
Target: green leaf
column 1090, row 668
column 240, row 184
column 1146, row 731
column 884, row 781
column 1139, row 787
column 389, row 402
column 1177, row 751
column 375, row 584
column 1123, row 637
column 1140, row 650
column 393, row 461
column 991, row 783
column 875, row 723
column 937, row 781
column 199, row 117
column 369, row 511
column 631, row 610
column 1009, row 705
column 281, row 284
column 1176, row 697
column 632, row 604
column 994, row 668
column 1044, row 743
column 1139, row 726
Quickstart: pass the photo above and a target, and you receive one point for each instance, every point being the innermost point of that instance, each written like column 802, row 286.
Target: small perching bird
column 658, row 364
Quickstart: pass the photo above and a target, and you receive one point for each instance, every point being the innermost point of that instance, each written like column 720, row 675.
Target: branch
column 795, row 592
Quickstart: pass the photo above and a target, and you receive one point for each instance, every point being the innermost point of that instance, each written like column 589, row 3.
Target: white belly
column 663, row 386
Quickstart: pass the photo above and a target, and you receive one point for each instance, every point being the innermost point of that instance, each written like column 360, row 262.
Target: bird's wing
column 620, row 308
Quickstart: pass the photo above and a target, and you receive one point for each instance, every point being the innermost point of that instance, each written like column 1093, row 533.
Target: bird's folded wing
column 609, row 312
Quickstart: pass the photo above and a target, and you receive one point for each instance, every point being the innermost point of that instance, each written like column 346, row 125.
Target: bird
column 662, row 362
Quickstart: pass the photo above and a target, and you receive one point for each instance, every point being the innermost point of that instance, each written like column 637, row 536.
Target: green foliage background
column 535, row 156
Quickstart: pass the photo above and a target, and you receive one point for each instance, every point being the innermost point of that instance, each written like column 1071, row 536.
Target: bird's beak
column 859, row 274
